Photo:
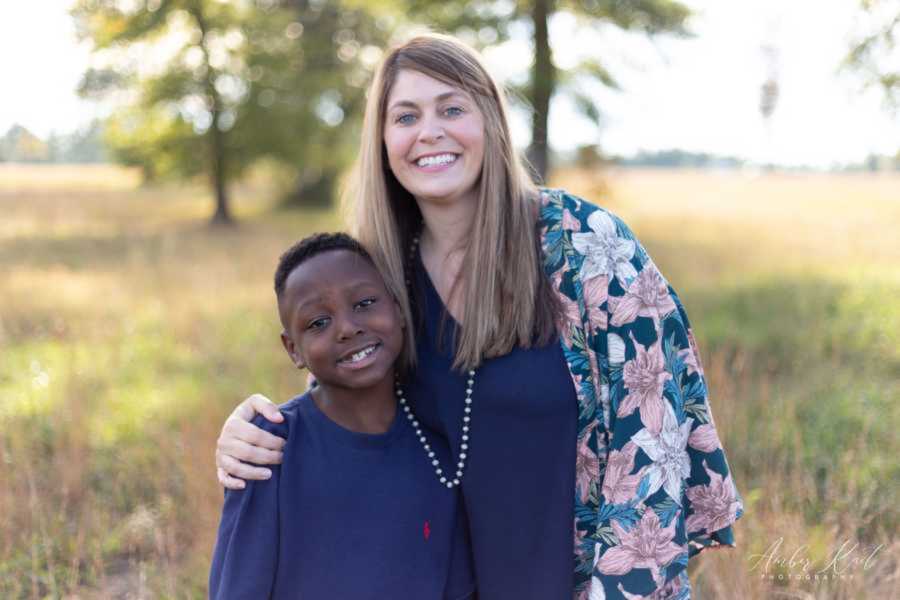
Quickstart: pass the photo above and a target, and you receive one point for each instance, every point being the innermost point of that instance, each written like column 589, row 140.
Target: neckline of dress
column 433, row 290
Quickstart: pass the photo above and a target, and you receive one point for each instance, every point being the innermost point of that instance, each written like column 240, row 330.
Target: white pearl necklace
column 450, row 482
column 464, row 447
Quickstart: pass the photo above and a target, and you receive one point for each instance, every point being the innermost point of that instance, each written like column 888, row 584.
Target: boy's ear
column 292, row 350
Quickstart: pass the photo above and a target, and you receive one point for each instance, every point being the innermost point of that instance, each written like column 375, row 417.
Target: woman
column 551, row 352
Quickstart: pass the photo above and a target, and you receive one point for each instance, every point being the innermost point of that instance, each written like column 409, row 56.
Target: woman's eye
column 317, row 323
column 366, row 303
column 405, row 119
column 453, row 111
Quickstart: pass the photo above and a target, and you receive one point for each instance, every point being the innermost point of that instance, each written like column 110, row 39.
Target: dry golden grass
column 741, row 225
column 129, row 328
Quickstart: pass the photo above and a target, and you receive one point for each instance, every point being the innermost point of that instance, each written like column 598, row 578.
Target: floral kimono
column 652, row 485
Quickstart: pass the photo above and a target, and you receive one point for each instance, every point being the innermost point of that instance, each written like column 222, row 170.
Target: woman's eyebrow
column 438, row 98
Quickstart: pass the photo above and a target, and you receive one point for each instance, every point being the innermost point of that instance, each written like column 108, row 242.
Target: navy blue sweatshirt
column 346, row 515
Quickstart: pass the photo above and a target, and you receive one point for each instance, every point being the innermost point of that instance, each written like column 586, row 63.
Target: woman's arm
column 242, row 442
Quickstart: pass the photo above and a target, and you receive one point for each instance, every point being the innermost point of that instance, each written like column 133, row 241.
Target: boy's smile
column 357, row 359
column 341, row 322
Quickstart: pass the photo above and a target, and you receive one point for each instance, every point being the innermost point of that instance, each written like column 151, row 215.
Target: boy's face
column 340, row 321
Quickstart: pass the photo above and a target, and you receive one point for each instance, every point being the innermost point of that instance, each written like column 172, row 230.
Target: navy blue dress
column 346, row 515
column 520, row 469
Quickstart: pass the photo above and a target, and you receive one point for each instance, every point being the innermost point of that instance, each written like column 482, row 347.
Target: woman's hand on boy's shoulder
column 242, row 442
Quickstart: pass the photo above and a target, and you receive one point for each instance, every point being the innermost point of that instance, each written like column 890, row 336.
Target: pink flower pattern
column 619, row 485
column 644, row 378
column 617, row 283
column 646, row 546
column 569, row 222
column 587, row 465
column 595, row 294
column 571, row 313
column 647, row 296
column 715, row 505
column 704, row 438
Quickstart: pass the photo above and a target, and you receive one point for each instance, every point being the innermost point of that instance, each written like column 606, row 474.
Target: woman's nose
column 431, row 131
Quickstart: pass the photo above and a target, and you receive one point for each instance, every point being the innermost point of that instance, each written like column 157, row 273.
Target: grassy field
column 129, row 329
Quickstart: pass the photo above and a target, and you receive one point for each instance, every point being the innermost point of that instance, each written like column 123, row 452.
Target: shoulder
column 569, row 211
column 585, row 232
column 292, row 410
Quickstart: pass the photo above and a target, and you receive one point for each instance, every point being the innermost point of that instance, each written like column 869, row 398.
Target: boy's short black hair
column 308, row 247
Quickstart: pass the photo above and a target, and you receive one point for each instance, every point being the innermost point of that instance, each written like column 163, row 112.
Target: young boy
column 355, row 510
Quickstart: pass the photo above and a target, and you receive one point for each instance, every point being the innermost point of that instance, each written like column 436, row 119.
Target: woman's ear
column 292, row 350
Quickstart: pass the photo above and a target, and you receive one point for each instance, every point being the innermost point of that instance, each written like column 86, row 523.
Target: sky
column 699, row 94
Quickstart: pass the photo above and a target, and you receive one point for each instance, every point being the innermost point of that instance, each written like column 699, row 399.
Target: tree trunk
column 317, row 192
column 222, row 215
column 216, row 137
column 543, row 81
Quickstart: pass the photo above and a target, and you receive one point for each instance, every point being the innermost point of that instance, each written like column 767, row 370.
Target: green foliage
column 306, row 69
column 875, row 50
column 209, row 87
column 650, row 16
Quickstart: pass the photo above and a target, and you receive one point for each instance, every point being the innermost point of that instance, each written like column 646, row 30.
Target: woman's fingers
column 235, row 469
column 241, row 440
column 258, row 404
column 238, row 429
column 230, row 482
column 245, row 452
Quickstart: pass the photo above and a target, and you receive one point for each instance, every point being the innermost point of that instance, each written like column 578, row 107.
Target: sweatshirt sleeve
column 246, row 554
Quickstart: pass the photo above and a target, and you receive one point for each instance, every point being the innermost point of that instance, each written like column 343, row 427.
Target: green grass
column 129, row 329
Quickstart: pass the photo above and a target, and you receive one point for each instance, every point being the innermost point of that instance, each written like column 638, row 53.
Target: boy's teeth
column 440, row 159
column 361, row 354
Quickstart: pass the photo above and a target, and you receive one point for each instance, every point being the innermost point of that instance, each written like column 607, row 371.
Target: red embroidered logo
column 426, row 531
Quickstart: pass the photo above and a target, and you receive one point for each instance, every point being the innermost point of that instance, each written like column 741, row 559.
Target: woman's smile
column 433, row 163
column 434, row 137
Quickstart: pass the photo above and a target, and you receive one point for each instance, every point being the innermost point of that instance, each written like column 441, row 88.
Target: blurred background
column 156, row 156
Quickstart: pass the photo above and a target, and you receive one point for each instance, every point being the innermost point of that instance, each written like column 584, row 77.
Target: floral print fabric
column 653, row 486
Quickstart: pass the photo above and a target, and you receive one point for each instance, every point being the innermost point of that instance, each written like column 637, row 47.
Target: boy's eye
column 366, row 303
column 317, row 323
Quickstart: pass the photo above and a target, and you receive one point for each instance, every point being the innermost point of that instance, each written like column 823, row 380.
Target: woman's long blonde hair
column 507, row 300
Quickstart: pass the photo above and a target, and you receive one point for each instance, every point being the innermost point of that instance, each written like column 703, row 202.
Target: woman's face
column 434, row 135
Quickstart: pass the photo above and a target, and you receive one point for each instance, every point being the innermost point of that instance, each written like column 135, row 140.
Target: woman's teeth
column 440, row 159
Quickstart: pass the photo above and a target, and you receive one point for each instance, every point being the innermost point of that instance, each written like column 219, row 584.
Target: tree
column 479, row 17
column 20, row 145
column 210, row 87
column 875, row 52
column 181, row 110
column 307, row 97
column 84, row 145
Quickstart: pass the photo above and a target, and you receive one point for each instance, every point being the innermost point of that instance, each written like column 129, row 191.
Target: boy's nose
column 348, row 328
